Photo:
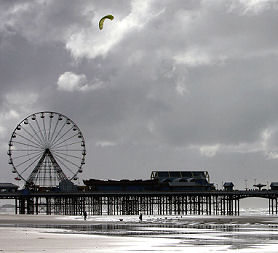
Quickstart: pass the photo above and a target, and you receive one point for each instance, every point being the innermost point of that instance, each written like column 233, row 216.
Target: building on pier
column 274, row 186
column 228, row 186
column 8, row 187
column 176, row 181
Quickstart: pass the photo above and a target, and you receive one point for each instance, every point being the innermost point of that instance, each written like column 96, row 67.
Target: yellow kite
column 102, row 21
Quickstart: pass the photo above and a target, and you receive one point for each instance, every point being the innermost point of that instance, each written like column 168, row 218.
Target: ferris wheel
column 46, row 148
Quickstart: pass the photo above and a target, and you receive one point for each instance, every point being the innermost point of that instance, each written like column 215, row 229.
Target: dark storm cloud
column 180, row 84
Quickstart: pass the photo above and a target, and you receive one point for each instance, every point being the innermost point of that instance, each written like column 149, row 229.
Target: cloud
column 90, row 43
column 15, row 107
column 252, row 7
column 12, row 114
column 22, row 98
column 269, row 142
column 266, row 144
column 70, row 81
column 181, row 87
column 209, row 151
column 193, row 57
column 5, row 117
column 103, row 144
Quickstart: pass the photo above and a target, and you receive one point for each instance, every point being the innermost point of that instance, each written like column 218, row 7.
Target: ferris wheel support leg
column 30, row 180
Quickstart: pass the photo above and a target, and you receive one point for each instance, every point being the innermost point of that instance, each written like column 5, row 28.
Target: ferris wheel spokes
column 54, row 143
column 69, row 138
column 65, row 166
column 68, row 161
column 56, row 124
column 23, row 137
column 28, row 145
column 18, row 157
column 70, row 144
column 73, row 156
column 49, row 127
column 36, row 133
column 26, row 161
column 58, row 133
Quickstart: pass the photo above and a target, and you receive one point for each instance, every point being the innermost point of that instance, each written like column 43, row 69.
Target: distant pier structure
column 166, row 193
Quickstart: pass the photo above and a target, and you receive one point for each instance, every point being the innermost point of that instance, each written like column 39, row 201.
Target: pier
column 134, row 203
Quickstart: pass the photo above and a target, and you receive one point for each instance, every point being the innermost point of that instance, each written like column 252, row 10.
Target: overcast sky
column 166, row 85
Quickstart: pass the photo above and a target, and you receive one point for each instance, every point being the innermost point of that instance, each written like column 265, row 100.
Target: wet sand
column 31, row 233
column 52, row 240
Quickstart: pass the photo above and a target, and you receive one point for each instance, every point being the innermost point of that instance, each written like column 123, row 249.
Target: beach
column 54, row 240
column 41, row 233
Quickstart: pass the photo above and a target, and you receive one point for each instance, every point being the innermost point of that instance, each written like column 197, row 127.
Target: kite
column 102, row 21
